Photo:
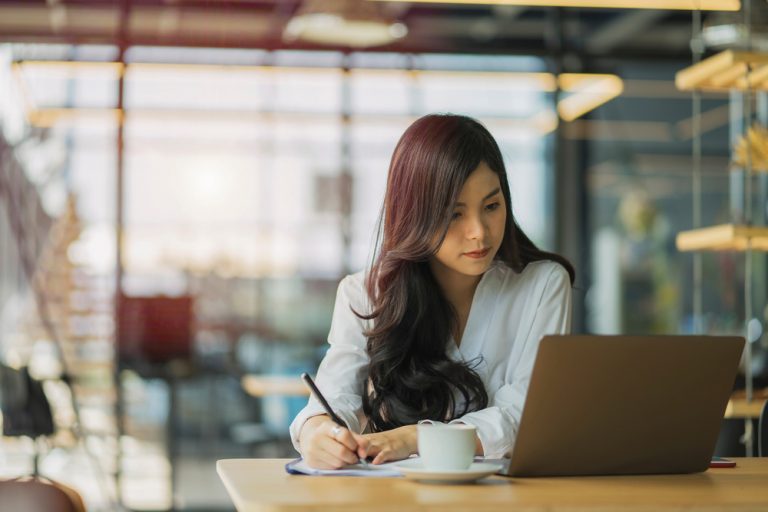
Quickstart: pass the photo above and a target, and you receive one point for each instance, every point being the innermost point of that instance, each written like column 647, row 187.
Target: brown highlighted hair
column 410, row 374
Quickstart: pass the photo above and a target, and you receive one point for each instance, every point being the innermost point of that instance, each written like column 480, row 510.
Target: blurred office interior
column 183, row 183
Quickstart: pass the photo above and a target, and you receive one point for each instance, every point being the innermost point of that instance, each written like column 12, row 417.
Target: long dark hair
column 410, row 374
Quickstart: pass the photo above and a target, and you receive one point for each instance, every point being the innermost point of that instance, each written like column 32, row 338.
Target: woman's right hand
column 325, row 445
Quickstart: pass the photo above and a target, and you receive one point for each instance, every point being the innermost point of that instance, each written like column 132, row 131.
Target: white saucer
column 413, row 470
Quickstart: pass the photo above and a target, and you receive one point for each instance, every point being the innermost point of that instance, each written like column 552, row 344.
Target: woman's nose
column 475, row 228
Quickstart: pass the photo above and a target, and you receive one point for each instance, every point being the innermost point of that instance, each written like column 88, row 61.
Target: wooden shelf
column 726, row 71
column 725, row 237
column 739, row 407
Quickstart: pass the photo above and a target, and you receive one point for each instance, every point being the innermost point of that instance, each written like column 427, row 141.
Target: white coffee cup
column 446, row 447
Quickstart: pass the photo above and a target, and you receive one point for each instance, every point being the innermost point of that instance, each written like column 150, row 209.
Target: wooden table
column 263, row 485
column 274, row 385
column 738, row 407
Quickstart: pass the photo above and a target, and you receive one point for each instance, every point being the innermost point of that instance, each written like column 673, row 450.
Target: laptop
column 624, row 405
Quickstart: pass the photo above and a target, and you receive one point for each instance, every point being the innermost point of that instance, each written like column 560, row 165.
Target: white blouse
column 509, row 315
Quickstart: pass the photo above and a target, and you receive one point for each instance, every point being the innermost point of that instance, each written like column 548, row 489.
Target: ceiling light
column 352, row 23
column 728, row 31
column 684, row 5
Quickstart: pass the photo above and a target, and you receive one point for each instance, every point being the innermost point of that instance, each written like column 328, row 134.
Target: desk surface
column 271, row 385
column 263, row 485
column 738, row 407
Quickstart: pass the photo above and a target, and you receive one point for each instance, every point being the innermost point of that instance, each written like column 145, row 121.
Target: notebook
column 300, row 467
column 624, row 405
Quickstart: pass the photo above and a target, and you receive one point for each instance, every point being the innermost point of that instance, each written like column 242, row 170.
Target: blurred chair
column 26, row 412
column 37, row 495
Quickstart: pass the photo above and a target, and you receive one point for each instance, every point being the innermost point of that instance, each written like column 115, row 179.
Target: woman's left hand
column 394, row 444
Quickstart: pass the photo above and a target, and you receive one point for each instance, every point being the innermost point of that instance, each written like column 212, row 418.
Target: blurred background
column 183, row 183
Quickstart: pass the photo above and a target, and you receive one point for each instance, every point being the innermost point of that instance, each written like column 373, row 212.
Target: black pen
column 320, row 398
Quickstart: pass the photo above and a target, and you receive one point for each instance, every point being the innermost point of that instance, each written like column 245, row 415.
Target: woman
column 446, row 323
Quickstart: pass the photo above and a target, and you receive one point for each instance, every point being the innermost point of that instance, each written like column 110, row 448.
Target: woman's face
column 477, row 227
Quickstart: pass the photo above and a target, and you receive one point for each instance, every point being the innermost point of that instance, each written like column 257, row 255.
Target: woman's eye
column 491, row 207
column 455, row 215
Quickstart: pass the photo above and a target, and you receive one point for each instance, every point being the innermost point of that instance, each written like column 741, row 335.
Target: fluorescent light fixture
column 724, row 35
column 351, row 23
column 334, row 30
column 678, row 5
column 728, row 30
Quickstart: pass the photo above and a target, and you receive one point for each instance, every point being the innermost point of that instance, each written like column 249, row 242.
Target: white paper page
column 378, row 470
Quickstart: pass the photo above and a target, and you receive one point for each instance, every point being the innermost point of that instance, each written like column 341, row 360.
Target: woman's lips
column 478, row 254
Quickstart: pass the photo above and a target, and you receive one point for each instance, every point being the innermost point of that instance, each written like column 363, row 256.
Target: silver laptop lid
column 613, row 405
